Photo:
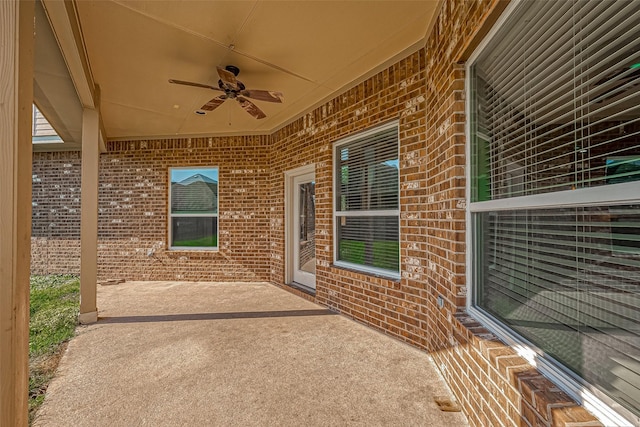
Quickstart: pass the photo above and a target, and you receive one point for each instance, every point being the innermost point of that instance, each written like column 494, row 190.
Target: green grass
column 385, row 254
column 54, row 312
column 203, row 241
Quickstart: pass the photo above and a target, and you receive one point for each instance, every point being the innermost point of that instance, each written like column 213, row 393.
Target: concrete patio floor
column 236, row 354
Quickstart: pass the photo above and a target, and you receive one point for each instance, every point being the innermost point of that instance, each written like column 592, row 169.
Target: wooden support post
column 89, row 216
column 16, row 99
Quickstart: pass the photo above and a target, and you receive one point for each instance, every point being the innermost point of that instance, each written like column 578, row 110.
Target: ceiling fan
column 235, row 89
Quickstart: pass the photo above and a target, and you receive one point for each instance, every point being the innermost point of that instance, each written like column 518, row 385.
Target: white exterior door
column 303, row 230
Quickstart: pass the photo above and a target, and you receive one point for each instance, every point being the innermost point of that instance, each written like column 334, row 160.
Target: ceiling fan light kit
column 234, row 89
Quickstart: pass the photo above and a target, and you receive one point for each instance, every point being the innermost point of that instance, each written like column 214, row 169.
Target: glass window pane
column 194, row 232
column 194, row 191
column 556, row 100
column 368, row 172
column 568, row 280
column 369, row 241
column 307, row 227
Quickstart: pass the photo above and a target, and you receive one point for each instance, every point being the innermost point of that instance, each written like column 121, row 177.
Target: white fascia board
column 65, row 26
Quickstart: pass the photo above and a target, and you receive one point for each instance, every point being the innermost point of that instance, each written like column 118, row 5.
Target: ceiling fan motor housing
column 233, row 69
column 231, row 93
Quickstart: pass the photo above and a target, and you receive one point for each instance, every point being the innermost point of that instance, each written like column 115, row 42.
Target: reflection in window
column 555, row 276
column 194, row 208
column 622, row 169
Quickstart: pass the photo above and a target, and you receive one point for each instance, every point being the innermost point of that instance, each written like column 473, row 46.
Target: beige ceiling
column 309, row 50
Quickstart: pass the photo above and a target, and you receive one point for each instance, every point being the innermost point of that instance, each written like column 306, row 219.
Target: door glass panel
column 307, row 227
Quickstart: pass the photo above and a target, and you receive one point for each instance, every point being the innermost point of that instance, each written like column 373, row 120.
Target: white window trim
column 604, row 195
column 170, row 215
column 393, row 212
column 600, row 405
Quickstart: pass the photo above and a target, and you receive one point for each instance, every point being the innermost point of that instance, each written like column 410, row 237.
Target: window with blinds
column 193, row 208
column 366, row 202
column 555, row 206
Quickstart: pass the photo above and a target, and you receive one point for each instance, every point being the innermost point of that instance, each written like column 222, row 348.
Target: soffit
column 309, row 50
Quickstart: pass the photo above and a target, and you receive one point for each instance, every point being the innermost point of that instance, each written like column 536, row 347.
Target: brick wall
column 493, row 383
column 425, row 94
column 133, row 210
column 397, row 93
column 55, row 226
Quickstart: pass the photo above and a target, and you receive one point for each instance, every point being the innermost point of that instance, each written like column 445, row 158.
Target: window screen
column 555, row 111
column 366, row 204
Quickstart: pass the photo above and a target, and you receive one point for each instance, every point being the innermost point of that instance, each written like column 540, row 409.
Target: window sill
column 378, row 273
column 192, row 249
column 577, row 388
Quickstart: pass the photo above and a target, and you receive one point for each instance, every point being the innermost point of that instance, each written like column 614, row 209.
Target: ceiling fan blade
column 251, row 108
column 185, row 83
column 214, row 103
column 264, row 95
column 228, row 78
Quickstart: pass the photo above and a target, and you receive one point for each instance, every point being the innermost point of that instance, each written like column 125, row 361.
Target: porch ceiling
column 309, row 50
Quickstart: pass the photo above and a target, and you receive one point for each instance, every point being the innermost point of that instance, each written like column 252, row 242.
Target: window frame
column 368, row 213
column 171, row 215
column 602, row 406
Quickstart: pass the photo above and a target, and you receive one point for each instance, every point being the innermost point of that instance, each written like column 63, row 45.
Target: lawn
column 208, row 241
column 385, row 254
column 54, row 315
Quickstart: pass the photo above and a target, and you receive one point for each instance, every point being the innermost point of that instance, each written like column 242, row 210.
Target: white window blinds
column 366, row 201
column 567, row 279
column 555, row 111
column 561, row 95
